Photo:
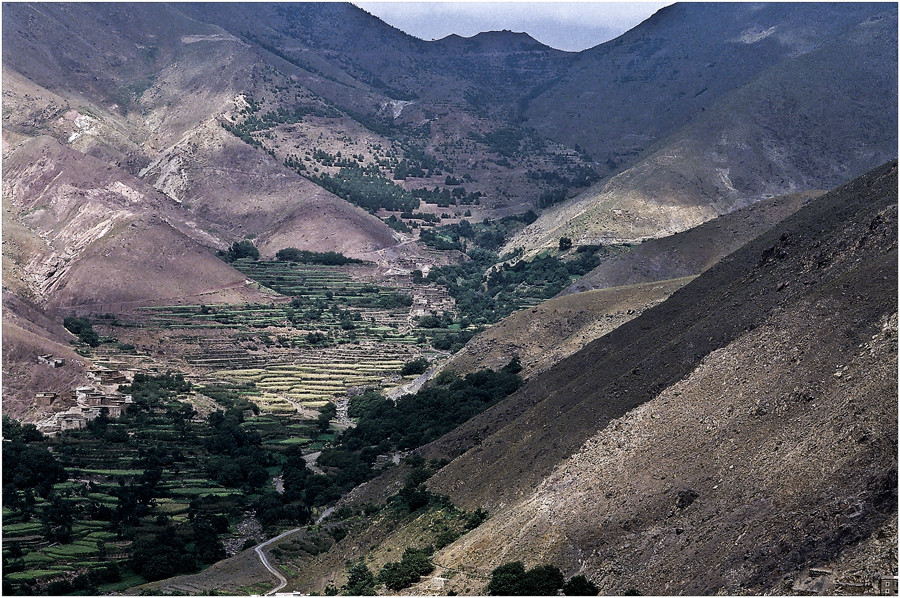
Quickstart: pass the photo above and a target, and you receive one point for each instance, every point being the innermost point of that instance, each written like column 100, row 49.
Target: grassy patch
column 21, row 529
column 32, row 575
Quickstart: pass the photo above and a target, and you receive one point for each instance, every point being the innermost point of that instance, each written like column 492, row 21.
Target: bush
column 580, row 586
column 81, row 327
column 416, row 366
column 240, row 249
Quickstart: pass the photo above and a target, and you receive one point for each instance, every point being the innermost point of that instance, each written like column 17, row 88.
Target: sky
column 571, row 26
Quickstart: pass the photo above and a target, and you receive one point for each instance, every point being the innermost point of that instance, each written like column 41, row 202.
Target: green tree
column 565, row 243
column 580, row 586
column 507, row 580
column 240, row 249
column 57, row 518
column 415, row 563
column 81, row 327
column 511, row 579
column 326, row 414
column 544, row 580
column 416, row 366
column 360, row 581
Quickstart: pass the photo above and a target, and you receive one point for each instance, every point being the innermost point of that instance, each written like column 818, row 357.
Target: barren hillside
column 756, row 407
column 544, row 335
column 771, row 135
column 693, row 251
column 108, row 241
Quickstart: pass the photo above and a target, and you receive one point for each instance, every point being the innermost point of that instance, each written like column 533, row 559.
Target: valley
column 296, row 302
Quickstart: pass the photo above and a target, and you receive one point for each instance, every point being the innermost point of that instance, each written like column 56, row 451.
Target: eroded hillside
column 757, row 403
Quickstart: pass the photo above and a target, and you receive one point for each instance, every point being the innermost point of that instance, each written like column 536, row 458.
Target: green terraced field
column 317, row 381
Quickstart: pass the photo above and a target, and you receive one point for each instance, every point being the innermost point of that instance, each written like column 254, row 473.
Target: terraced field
column 322, row 377
column 328, row 330
column 293, row 280
column 98, row 472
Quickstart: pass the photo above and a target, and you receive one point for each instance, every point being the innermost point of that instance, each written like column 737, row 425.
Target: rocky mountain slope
column 749, row 421
column 797, row 358
column 693, row 251
column 754, row 140
column 100, row 234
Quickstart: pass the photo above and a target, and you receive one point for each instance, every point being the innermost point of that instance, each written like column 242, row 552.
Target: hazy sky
column 569, row 26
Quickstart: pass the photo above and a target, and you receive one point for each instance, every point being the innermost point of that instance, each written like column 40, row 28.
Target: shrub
column 238, row 250
column 416, row 366
column 580, row 586
column 81, row 327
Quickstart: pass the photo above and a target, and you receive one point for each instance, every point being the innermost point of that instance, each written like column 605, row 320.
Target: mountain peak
column 494, row 41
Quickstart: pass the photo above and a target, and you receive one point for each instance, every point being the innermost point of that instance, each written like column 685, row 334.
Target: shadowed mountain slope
column 693, row 251
column 786, row 128
column 619, row 98
column 843, row 244
column 759, row 401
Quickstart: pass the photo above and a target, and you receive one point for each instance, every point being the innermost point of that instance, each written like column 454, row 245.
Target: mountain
column 621, row 97
column 169, row 134
column 27, row 334
column 100, row 233
column 755, row 407
column 547, row 333
column 717, row 414
column 750, row 141
column 693, row 251
column 799, row 342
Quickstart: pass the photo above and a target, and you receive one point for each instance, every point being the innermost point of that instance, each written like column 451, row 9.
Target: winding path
column 282, row 580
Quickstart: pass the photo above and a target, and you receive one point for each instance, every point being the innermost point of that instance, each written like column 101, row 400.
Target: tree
column 580, row 586
column 512, row 579
column 57, row 519
column 29, row 467
column 506, row 580
column 240, row 249
column 416, row 366
column 416, row 562
column 360, row 581
column 81, row 327
column 161, row 555
column 326, row 413
column 544, row 580
column 565, row 243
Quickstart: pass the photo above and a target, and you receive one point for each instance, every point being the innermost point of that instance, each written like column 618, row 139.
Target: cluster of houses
column 90, row 401
column 431, row 299
column 54, row 362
